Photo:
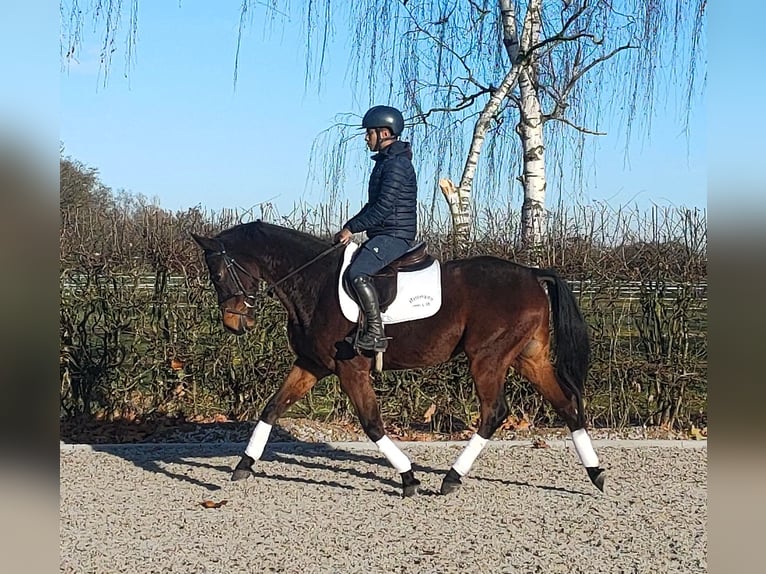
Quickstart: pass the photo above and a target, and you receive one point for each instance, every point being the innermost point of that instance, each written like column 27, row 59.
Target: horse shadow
column 165, row 460
column 524, row 484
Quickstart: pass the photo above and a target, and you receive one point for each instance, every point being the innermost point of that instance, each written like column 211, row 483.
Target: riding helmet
column 384, row 117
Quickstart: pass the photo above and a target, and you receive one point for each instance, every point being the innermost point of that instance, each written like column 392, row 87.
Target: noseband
column 250, row 300
column 231, row 268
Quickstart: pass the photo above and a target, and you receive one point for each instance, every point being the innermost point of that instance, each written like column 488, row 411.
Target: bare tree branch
column 419, row 29
column 560, row 35
column 561, row 98
column 573, row 125
column 465, row 102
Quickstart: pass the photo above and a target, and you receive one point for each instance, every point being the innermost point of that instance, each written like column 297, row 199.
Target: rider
column 389, row 217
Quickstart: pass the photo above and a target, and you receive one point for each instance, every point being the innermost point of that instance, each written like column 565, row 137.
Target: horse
column 495, row 311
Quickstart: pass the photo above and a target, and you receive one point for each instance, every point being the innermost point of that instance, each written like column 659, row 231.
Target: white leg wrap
column 466, row 459
column 258, row 440
column 584, row 448
column 395, row 456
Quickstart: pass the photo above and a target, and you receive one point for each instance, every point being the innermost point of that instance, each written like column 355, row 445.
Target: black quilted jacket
column 391, row 207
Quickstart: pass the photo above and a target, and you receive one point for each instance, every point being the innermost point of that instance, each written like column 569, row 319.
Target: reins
column 324, row 253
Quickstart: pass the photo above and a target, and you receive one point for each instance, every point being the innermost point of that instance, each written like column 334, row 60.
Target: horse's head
column 234, row 284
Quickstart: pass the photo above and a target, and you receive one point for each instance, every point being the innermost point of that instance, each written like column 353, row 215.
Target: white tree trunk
column 511, row 42
column 530, row 130
column 482, row 125
column 510, row 31
column 533, row 220
column 459, row 201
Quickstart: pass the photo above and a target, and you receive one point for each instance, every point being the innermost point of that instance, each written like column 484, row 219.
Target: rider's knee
column 357, row 277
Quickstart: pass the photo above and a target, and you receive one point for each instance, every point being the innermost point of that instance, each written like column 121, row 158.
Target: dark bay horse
column 495, row 311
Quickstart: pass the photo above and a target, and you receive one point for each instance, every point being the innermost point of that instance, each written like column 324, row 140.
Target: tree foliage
column 588, row 64
column 80, row 187
column 497, row 91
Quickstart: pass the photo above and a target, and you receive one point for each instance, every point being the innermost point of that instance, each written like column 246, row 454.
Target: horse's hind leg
column 299, row 381
column 534, row 364
column 355, row 382
column 489, row 377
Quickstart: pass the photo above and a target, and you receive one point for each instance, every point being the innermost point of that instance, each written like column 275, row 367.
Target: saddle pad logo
column 418, row 293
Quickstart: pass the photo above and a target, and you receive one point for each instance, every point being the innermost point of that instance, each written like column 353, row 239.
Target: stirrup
column 379, row 344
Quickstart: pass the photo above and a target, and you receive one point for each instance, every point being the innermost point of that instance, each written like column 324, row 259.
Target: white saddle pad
column 418, row 293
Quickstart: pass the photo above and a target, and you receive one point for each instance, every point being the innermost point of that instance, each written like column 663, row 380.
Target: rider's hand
column 343, row 236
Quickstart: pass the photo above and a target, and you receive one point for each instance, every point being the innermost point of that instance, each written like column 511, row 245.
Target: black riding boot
column 372, row 337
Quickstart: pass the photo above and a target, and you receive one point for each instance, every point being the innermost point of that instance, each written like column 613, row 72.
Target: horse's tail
column 571, row 338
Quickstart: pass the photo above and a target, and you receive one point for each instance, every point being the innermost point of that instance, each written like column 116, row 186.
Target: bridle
column 250, row 300
column 231, row 268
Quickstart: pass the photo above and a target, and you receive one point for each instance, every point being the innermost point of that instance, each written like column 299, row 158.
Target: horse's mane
column 260, row 232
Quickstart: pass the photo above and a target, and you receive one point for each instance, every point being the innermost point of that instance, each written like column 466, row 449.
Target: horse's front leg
column 356, row 383
column 298, row 382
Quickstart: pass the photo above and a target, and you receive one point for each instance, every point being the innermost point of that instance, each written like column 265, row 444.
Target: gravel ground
column 337, row 508
column 168, row 430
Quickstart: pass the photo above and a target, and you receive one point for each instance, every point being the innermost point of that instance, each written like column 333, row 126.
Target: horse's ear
column 205, row 242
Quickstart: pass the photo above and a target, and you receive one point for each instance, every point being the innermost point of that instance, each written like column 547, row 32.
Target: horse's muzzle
column 237, row 322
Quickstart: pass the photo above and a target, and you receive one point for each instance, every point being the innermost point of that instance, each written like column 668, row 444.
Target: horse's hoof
column 411, row 489
column 450, row 486
column 410, row 484
column 243, row 469
column 451, row 482
column 240, row 474
column 597, row 476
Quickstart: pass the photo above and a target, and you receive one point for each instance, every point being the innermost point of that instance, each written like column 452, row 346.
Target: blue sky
column 177, row 131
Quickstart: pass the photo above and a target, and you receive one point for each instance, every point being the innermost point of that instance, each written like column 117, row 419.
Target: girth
column 415, row 259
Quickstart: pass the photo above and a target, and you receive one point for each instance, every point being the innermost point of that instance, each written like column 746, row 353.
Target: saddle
column 414, row 259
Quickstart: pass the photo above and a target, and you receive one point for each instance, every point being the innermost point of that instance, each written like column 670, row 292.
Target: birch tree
column 506, row 93
column 512, row 79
